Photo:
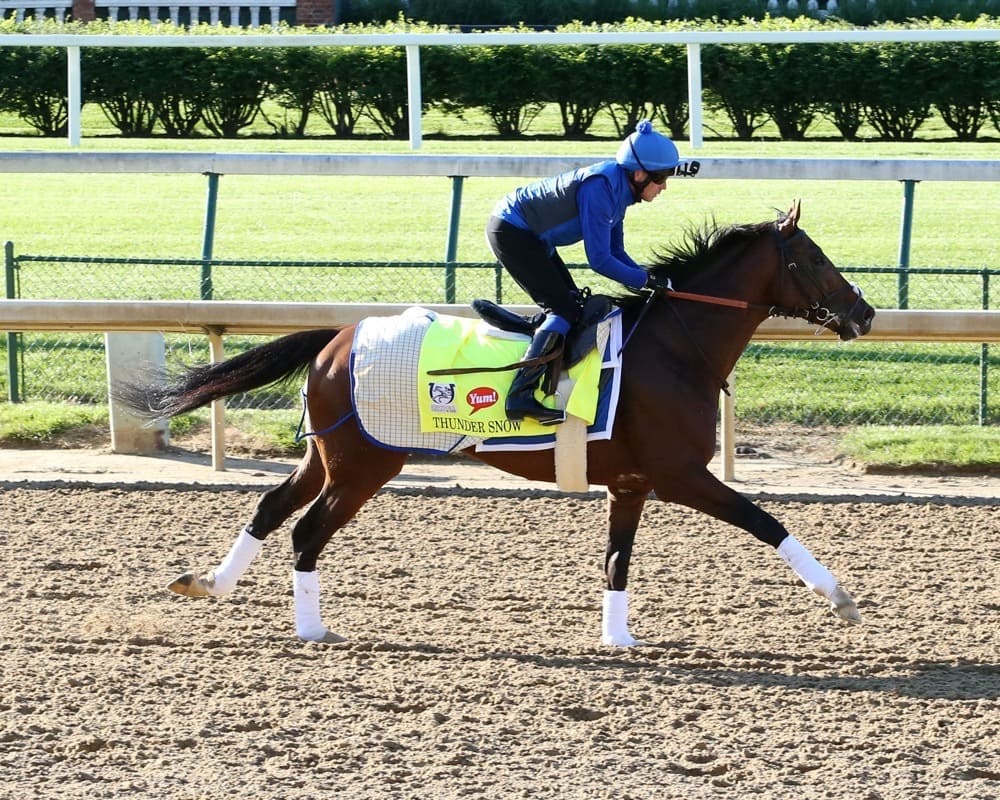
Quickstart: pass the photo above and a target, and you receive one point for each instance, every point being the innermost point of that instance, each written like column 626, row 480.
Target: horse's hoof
column 327, row 637
column 623, row 641
column 843, row 606
column 191, row 585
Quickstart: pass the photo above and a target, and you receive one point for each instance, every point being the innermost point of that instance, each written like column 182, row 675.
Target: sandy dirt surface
column 474, row 667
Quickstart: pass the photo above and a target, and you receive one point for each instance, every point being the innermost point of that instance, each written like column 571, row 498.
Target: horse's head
column 812, row 288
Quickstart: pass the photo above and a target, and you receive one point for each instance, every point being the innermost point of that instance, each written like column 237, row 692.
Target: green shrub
column 965, row 81
column 736, row 86
column 338, row 100
column 123, row 81
column 569, row 77
column 33, row 80
column 893, row 86
column 842, row 101
column 897, row 87
column 239, row 79
column 506, row 82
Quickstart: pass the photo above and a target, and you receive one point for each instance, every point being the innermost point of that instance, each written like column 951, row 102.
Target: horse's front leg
column 624, row 510
column 701, row 490
column 274, row 507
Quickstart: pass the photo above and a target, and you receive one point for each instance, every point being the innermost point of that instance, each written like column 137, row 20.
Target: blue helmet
column 647, row 150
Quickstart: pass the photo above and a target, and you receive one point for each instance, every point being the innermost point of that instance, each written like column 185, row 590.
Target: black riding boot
column 521, row 400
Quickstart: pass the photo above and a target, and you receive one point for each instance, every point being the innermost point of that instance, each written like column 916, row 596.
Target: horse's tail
column 194, row 387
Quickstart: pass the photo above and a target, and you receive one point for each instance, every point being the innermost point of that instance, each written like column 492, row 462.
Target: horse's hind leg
column 274, row 507
column 356, row 471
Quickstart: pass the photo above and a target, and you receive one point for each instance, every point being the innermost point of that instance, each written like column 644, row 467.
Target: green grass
column 361, row 218
column 917, row 447
column 405, row 219
column 42, row 423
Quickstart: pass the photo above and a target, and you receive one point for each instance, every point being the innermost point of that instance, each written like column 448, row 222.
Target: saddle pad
column 387, row 386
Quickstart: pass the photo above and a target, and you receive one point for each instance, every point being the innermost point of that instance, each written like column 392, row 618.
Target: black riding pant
column 543, row 275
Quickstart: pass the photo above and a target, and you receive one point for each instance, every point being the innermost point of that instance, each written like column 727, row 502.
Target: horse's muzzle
column 857, row 322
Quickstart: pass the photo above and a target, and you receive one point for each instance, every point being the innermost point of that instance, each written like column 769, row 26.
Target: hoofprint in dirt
column 473, row 667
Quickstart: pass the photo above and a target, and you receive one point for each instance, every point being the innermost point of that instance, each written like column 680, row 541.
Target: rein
column 817, row 313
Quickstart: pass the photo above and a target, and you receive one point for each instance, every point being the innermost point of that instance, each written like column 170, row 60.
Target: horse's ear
column 790, row 221
column 795, row 211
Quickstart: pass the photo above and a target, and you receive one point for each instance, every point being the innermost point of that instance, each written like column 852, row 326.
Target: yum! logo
column 481, row 397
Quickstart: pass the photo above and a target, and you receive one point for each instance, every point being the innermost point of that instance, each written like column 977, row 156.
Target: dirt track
column 474, row 668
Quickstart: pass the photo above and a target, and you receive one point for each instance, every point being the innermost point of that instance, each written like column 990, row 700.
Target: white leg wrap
column 231, row 569
column 614, row 622
column 308, row 623
column 814, row 575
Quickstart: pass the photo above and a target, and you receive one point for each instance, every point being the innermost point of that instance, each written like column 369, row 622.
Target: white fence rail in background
column 133, row 11
column 19, row 9
column 692, row 40
column 216, row 318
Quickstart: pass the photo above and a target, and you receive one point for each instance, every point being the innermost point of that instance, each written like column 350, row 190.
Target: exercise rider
column 588, row 205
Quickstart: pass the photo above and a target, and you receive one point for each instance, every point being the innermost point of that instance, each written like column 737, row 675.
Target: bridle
column 817, row 313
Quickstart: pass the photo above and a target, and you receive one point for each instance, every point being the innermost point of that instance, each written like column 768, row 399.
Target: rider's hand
column 659, row 283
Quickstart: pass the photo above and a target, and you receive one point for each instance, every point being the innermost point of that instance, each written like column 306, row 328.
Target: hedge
column 894, row 87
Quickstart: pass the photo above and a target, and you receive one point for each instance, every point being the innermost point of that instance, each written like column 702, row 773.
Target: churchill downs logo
column 442, row 397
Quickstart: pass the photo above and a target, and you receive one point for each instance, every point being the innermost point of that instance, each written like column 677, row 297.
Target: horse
column 681, row 343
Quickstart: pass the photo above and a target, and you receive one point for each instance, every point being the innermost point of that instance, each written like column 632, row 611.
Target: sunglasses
column 660, row 176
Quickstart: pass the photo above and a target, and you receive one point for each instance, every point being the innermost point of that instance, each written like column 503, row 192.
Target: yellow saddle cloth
column 400, row 406
column 472, row 404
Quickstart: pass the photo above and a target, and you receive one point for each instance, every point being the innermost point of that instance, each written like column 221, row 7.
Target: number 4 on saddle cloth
column 400, row 406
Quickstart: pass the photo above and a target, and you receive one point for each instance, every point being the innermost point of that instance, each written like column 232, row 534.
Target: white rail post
column 413, row 97
column 218, row 406
column 727, row 435
column 74, row 94
column 694, row 94
column 130, row 356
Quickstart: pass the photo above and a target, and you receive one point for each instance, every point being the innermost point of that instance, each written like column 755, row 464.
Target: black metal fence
column 822, row 382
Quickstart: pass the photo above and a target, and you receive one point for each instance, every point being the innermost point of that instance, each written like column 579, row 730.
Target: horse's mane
column 699, row 247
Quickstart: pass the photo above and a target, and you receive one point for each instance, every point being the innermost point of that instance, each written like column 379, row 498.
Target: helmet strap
column 638, row 186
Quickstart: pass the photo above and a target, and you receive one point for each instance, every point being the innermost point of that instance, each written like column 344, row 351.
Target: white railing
column 215, row 318
column 118, row 11
column 36, row 8
column 258, row 11
column 242, row 317
column 692, row 40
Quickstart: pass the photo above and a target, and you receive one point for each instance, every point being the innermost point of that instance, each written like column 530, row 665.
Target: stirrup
column 541, row 414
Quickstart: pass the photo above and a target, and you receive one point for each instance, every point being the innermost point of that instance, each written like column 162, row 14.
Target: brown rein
column 707, row 298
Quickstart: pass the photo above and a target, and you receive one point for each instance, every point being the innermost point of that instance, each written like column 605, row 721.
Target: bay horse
column 680, row 345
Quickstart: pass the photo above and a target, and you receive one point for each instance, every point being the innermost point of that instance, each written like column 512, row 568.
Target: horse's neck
column 745, row 275
column 721, row 333
column 697, row 332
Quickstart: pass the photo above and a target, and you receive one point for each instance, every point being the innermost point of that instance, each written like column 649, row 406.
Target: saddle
column 581, row 339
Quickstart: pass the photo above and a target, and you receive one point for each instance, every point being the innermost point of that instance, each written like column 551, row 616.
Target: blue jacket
column 586, row 204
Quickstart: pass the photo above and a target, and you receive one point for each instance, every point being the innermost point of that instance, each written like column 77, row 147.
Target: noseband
column 819, row 312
